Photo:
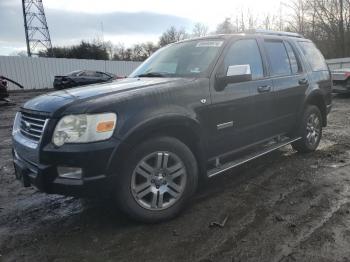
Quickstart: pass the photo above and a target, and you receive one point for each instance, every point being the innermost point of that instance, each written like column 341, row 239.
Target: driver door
column 234, row 109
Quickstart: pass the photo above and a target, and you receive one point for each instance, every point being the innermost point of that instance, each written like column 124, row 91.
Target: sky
column 122, row 22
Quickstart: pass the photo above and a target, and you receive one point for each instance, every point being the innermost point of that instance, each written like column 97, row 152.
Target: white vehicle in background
column 341, row 80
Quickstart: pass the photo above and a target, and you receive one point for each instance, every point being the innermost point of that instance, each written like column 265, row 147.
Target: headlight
column 84, row 128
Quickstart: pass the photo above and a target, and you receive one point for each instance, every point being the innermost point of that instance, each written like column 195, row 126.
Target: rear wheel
column 160, row 176
column 310, row 130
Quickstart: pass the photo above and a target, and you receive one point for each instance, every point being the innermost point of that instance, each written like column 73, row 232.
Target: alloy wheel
column 158, row 180
column 313, row 129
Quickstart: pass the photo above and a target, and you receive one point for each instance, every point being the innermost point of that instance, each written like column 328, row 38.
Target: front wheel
column 157, row 179
column 310, row 130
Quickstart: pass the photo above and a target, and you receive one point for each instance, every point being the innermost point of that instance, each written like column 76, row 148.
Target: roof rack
column 271, row 32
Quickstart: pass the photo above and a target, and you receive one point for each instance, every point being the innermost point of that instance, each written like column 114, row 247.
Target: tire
column 161, row 175
column 310, row 130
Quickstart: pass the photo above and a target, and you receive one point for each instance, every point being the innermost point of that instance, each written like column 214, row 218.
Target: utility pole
column 35, row 27
column 341, row 29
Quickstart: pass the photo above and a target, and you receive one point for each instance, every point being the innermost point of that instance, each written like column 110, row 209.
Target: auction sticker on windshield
column 210, row 44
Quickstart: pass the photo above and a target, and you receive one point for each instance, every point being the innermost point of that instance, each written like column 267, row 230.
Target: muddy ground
column 282, row 207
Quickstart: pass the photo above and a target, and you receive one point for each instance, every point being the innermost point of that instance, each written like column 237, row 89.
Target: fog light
column 69, row 172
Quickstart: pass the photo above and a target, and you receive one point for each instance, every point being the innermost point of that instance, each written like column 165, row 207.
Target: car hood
column 53, row 101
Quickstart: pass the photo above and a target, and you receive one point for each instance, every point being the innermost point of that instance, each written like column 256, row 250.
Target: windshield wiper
column 152, row 74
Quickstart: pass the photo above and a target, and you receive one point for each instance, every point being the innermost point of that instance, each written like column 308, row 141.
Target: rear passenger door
column 290, row 82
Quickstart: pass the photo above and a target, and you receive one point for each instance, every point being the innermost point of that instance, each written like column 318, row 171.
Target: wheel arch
column 183, row 128
column 316, row 98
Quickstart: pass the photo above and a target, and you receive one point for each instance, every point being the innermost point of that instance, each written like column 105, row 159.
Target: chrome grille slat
column 32, row 126
column 32, row 131
column 34, row 119
column 35, row 125
column 30, row 134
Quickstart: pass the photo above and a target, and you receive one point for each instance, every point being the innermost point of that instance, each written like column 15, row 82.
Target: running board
column 224, row 167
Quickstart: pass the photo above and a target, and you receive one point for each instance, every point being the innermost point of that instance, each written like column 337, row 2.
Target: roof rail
column 271, row 32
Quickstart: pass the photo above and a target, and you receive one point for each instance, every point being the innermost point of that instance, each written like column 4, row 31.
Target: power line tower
column 35, row 26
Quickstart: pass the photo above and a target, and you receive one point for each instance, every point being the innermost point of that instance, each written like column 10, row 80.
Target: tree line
column 326, row 22
column 106, row 50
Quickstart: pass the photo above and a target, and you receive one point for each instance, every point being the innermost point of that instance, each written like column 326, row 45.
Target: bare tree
column 225, row 27
column 109, row 48
column 252, row 20
column 172, row 35
column 199, row 30
column 297, row 19
column 122, row 53
column 149, row 48
column 326, row 22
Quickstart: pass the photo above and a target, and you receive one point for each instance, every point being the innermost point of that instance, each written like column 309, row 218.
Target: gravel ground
column 282, row 207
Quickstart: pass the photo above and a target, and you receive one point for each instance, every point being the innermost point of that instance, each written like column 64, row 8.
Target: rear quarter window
column 313, row 56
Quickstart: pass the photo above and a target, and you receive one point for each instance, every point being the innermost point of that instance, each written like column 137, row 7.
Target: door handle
column 303, row 81
column 262, row 89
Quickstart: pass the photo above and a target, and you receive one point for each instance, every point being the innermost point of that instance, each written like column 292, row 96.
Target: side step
column 237, row 162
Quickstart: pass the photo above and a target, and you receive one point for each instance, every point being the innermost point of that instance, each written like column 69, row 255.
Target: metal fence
column 339, row 63
column 38, row 73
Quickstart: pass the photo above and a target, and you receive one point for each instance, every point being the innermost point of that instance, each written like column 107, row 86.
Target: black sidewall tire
column 124, row 196
column 302, row 145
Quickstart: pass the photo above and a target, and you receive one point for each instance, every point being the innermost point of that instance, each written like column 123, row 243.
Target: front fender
column 157, row 117
column 189, row 127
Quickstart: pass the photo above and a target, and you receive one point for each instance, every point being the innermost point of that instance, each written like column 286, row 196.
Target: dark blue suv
column 191, row 111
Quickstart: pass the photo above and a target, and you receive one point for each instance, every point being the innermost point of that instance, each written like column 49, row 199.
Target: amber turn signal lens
column 105, row 126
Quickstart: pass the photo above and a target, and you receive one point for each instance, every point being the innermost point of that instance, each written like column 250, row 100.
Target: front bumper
column 45, row 178
column 94, row 160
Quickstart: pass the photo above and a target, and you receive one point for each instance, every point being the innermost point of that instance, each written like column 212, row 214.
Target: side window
column 313, row 55
column 243, row 52
column 279, row 61
column 91, row 73
column 88, row 73
column 294, row 61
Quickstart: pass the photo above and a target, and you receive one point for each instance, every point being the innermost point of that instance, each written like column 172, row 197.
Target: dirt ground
column 282, row 207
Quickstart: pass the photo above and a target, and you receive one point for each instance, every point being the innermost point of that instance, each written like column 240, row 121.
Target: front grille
column 32, row 125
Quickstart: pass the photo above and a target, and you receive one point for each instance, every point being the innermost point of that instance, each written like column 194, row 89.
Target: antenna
column 35, row 27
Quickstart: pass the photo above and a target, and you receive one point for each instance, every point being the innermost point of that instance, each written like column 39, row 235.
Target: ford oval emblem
column 27, row 126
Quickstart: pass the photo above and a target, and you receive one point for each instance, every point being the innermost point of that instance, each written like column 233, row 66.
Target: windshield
column 191, row 58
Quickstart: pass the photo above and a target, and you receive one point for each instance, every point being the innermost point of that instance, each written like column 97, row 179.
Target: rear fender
column 316, row 98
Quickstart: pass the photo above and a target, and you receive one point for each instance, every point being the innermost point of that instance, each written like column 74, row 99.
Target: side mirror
column 234, row 74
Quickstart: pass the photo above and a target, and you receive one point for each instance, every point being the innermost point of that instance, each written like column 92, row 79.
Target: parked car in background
column 341, row 80
column 81, row 78
column 3, row 90
column 4, row 95
column 193, row 110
